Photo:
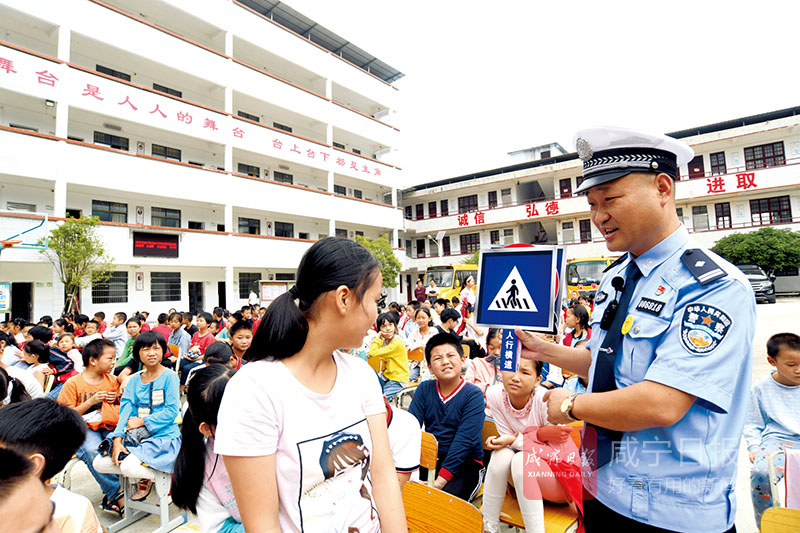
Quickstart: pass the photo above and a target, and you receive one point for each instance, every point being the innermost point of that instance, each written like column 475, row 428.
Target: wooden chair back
column 465, row 347
column 431, row 510
column 777, row 520
column 489, row 430
column 49, row 381
column 428, row 455
column 417, row 354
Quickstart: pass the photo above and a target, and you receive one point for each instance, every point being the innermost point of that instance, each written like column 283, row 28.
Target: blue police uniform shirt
column 697, row 339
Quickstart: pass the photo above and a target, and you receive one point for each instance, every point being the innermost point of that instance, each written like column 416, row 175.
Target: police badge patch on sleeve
column 703, row 327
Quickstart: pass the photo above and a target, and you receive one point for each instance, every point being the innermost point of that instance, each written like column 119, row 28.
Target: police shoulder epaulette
column 619, row 260
column 701, row 266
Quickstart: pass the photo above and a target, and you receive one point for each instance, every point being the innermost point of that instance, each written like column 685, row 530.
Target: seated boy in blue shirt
column 453, row 411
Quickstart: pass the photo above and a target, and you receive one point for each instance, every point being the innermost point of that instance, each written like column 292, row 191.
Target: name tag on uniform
column 142, row 412
column 653, row 307
column 158, row 397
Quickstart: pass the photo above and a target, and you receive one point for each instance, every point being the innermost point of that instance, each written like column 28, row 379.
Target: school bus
column 583, row 275
column 450, row 279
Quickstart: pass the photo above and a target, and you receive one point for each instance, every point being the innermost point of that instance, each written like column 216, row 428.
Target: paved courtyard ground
column 772, row 319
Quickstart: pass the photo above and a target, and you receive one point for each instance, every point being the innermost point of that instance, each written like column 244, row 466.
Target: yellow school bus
column 450, row 279
column 583, row 275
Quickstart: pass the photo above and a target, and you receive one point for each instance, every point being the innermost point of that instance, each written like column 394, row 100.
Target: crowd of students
column 284, row 427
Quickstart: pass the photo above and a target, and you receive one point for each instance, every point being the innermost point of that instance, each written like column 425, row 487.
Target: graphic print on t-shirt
column 341, row 499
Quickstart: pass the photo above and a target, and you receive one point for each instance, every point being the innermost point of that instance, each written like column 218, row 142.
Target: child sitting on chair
column 48, row 434
column 205, row 490
column 773, row 421
column 517, row 405
column 452, row 410
column 147, row 433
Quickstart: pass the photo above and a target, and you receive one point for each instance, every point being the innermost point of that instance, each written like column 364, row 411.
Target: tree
column 381, row 249
column 79, row 257
column 473, row 259
column 771, row 249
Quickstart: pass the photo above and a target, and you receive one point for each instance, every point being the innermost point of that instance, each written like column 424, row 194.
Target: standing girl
column 147, row 437
column 302, row 424
column 516, row 406
column 206, row 491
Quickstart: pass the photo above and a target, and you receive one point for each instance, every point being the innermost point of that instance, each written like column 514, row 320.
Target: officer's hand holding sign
column 670, row 358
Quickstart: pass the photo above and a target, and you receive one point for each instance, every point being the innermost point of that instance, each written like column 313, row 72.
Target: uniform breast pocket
column 645, row 334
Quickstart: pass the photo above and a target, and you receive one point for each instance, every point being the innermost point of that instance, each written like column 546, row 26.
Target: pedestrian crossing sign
column 519, row 287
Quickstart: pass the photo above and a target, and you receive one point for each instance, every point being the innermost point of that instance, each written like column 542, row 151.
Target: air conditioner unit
column 283, row 167
column 112, row 126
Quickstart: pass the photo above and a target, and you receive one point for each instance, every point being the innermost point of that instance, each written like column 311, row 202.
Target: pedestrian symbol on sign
column 513, row 295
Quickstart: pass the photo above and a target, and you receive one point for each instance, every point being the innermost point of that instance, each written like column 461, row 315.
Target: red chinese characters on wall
column 463, row 220
column 551, row 208
column 93, row 91
column 716, row 184
column 45, row 78
column 746, row 180
column 128, row 101
column 479, row 217
column 531, row 210
column 7, row 65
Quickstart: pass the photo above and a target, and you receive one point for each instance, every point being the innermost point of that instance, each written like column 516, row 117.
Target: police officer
column 670, row 359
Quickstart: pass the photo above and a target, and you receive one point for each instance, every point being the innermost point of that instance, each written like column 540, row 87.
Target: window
column 700, row 217
column 408, row 248
column 165, row 286
column 112, row 291
column 565, row 187
column 788, row 271
column 765, row 155
column 220, row 227
column 771, row 210
column 696, row 168
column 568, row 231
column 446, row 245
column 494, row 236
column 340, row 146
column 195, row 225
column 161, row 216
column 585, row 229
column 545, row 154
column 167, row 90
column 508, row 233
column 284, row 229
column 338, row 189
column 492, row 199
column 284, row 276
column 304, row 235
column 723, row 213
column 283, row 177
column 467, row 203
column 165, row 151
column 282, row 127
column 358, row 194
column 195, row 163
column 470, row 243
column 112, row 72
column 431, row 209
column 19, row 206
column 443, row 205
column 420, row 247
column 248, row 281
column 250, row 170
column 359, row 233
column 341, row 233
column 356, row 151
column 420, row 209
column 679, row 212
column 110, row 211
column 408, row 212
column 505, row 196
column 251, row 226
column 717, row 163
column 248, row 116
column 113, row 141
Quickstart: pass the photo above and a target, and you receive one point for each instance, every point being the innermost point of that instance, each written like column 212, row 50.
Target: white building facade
column 216, row 140
column 746, row 175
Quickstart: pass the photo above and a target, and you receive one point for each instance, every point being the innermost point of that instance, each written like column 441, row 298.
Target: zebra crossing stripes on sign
column 513, row 295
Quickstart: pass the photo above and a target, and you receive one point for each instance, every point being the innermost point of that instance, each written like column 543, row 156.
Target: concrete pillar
column 329, row 134
column 64, row 42
column 395, row 237
column 330, row 181
column 229, row 227
column 231, row 292
column 229, row 43
column 228, row 158
column 331, row 228
column 228, row 106
column 328, row 88
column 60, row 184
column 394, row 197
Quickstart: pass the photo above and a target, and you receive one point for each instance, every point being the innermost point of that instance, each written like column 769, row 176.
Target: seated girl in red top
column 577, row 322
column 197, row 349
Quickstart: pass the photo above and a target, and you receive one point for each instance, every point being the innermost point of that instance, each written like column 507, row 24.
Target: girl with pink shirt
column 518, row 408
column 205, row 491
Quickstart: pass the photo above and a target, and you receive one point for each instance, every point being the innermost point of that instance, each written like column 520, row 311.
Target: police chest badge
column 600, row 297
column 703, row 327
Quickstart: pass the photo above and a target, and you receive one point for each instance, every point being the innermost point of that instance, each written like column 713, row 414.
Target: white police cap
column 611, row 153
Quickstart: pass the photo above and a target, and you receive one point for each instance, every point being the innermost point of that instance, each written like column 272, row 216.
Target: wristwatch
column 566, row 408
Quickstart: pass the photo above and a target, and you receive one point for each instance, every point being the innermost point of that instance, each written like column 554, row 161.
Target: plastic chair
column 400, row 396
column 64, row 478
column 135, row 511
column 429, row 453
column 431, row 510
column 780, row 520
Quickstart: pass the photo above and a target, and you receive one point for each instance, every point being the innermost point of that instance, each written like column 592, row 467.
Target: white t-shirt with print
column 405, row 440
column 321, row 442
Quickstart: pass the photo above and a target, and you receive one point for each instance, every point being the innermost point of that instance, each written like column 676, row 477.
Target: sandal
column 145, row 486
column 111, row 506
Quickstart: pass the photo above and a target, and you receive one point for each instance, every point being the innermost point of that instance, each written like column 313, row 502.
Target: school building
column 746, row 175
column 216, row 142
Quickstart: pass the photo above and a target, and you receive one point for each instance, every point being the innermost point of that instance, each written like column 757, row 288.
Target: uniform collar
column 652, row 258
